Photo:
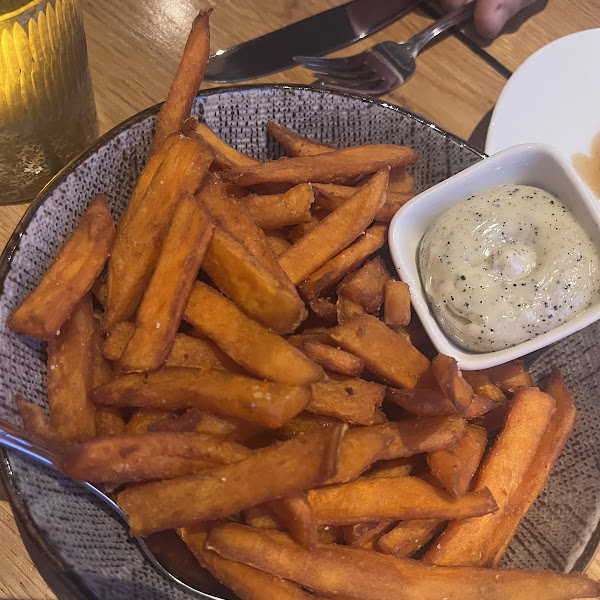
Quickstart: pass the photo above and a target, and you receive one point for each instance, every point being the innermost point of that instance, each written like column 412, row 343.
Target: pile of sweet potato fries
column 236, row 361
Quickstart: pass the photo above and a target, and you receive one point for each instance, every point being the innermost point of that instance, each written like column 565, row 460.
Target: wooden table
column 134, row 49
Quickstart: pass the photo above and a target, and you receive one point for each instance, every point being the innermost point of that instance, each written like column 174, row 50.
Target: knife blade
column 320, row 34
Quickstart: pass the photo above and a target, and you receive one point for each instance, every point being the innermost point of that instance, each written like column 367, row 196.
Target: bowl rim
column 68, row 576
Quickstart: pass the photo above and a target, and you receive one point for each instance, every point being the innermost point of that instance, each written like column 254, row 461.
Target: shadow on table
column 477, row 138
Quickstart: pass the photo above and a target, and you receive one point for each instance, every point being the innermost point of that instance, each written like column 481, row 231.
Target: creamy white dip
column 506, row 265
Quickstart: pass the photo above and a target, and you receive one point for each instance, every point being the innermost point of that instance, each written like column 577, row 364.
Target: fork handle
column 424, row 37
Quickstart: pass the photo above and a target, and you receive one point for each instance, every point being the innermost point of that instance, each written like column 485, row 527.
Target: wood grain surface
column 134, row 49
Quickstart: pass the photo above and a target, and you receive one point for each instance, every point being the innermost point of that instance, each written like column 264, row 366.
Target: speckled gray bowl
column 89, row 546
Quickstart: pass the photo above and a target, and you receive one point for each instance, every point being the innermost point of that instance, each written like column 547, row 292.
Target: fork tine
column 347, row 62
column 364, row 72
column 350, row 84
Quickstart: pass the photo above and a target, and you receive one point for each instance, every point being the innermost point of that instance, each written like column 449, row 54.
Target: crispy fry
column 164, row 300
column 366, row 286
column 109, row 422
column 422, row 402
column 385, row 353
column 502, row 471
column 148, row 456
column 262, row 402
column 294, row 143
column 332, row 358
column 186, row 82
column 347, row 309
column 308, row 459
column 69, row 376
column 409, row 537
column 324, row 309
column 480, row 406
column 337, row 166
column 144, row 225
column 76, row 267
column 101, row 370
column 336, row 231
column 258, row 350
column 449, row 378
column 304, row 423
column 297, row 232
column 354, row 401
column 401, row 181
column 398, row 467
column 143, row 418
column 509, row 376
column 364, row 535
column 482, row 386
column 455, row 465
column 297, row 517
column 277, row 241
column 396, row 304
column 368, row 575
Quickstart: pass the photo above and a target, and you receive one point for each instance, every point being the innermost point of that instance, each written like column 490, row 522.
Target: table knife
column 320, row 34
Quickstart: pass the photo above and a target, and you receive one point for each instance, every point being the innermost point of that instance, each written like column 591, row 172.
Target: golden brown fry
column 148, row 456
column 364, row 535
column 335, row 231
column 396, row 304
column 258, row 350
column 337, row 166
column 482, row 405
column 502, row 471
column 142, row 418
column 277, row 241
column 409, row 536
column 164, row 300
column 69, row 376
column 309, row 460
column 294, row 143
column 482, row 386
column 263, row 402
column 422, row 402
column 455, row 465
column 324, row 309
column 76, row 267
column 385, row 353
column 509, row 376
column 398, row 467
column 101, row 370
column 297, row 232
column 304, row 423
column 401, row 181
column 280, row 210
column 185, row 84
column 297, row 517
column 366, row 286
column 144, row 225
column 354, row 401
column 109, row 422
column 37, row 424
column 449, row 378
column 332, row 569
column 347, row 309
column 332, row 358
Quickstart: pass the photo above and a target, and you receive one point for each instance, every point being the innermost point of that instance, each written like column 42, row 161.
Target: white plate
column 552, row 98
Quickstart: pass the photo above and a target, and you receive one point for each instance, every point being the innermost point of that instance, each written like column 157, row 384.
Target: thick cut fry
column 76, row 267
column 385, row 353
column 294, row 143
column 143, row 418
column 258, row 350
column 509, row 376
column 254, row 289
column 148, row 456
column 364, row 535
column 449, row 378
column 37, row 424
column 164, row 300
column 324, row 309
column 401, row 181
column 403, row 498
column 101, row 369
column 409, row 537
column 422, row 402
column 335, row 231
column 502, row 471
column 69, row 376
column 144, row 225
column 337, row 166
column 280, row 210
column 549, row 449
column 398, row 467
column 304, row 423
column 415, row 436
column 263, row 402
column 277, row 241
column 300, row 463
column 347, row 309
column 455, row 465
column 186, row 82
column 396, row 303
column 246, row 582
column 482, row 405
column 366, row 286
column 332, row 359
column 332, row 569
column 297, row 517
column 482, row 386
column 297, row 232
column 354, row 401
column 335, row 269
column 109, row 422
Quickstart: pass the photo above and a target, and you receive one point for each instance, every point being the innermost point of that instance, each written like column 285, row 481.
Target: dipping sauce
column 506, row 265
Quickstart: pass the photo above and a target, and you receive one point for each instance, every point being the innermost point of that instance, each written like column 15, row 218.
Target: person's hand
column 490, row 15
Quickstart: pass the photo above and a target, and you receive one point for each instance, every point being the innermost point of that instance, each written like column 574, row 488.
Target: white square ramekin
column 528, row 164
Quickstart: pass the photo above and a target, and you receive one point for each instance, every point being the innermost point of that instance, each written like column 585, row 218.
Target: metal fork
column 383, row 67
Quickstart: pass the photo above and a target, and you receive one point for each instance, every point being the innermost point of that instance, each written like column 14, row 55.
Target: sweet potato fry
column 482, row 386
column 366, row 286
column 308, row 460
column 148, row 456
column 277, row 241
column 258, row 350
column 69, row 376
column 186, row 82
column 143, row 418
column 449, row 378
column 401, row 181
column 337, row 166
column 402, row 498
column 109, row 422
column 297, row 232
column 280, row 210
column 354, row 401
column 335, row 231
column 262, row 402
column 332, row 569
column 294, row 143
column 502, row 471
column 409, row 537
column 509, row 376
column 548, row 451
column 254, row 289
column 396, row 303
column 76, row 267
column 297, row 517
column 385, row 353
column 482, row 405
column 332, row 359
column 164, row 300
column 37, row 424
column 346, row 309
column 324, row 309
column 398, row 467
column 455, row 465
column 335, row 269
column 422, row 402
column 364, row 535
column 144, row 225
column 304, row 423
